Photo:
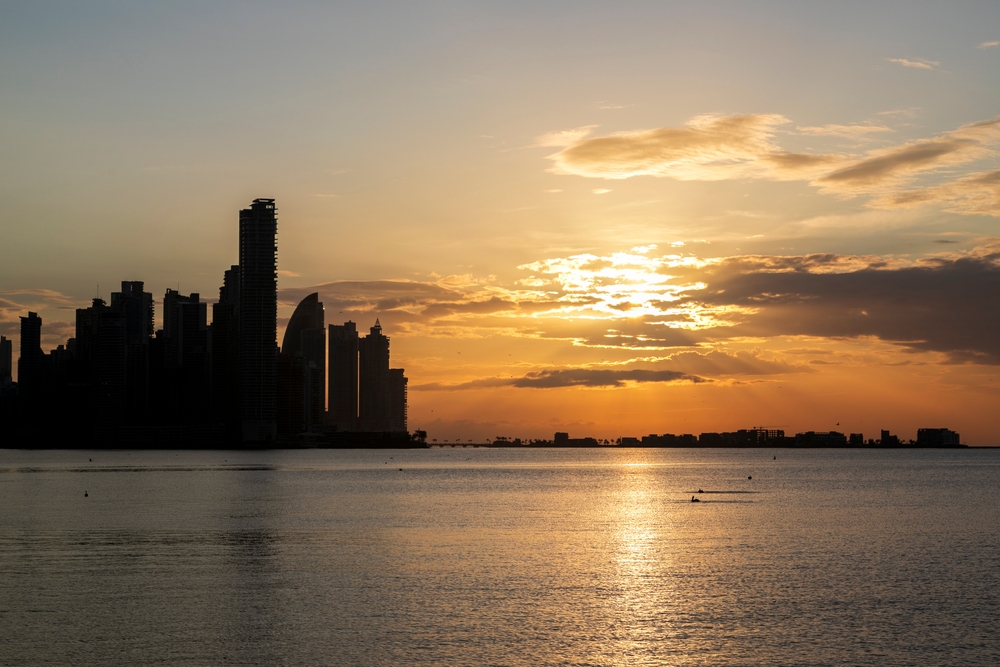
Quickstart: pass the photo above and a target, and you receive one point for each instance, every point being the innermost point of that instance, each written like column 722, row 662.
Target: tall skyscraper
column 302, row 370
column 258, row 335
column 31, row 364
column 343, row 377
column 135, row 307
column 6, row 359
column 373, row 381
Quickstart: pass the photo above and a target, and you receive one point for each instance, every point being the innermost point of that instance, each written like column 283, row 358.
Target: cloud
column 288, row 274
column 987, row 45
column 601, row 191
column 918, row 63
column 948, row 304
column 694, row 309
column 891, row 165
column 572, row 377
column 975, row 194
column 845, row 131
column 707, row 148
column 16, row 303
column 742, row 362
column 712, row 148
column 564, row 137
column 31, row 297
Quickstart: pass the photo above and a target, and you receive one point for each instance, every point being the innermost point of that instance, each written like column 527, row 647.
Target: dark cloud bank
column 950, row 306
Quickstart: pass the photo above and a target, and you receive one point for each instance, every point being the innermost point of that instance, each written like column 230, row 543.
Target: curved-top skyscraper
column 302, row 370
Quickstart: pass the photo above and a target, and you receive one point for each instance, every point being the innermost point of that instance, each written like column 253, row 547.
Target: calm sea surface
column 500, row 557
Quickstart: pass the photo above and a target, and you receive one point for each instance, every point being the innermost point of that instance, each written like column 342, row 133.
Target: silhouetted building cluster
column 194, row 383
column 365, row 394
column 753, row 437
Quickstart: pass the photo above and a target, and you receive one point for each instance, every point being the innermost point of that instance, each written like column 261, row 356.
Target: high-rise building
column 226, row 352
column 9, row 421
column 135, row 307
column 397, row 400
column 186, row 358
column 374, row 408
column 31, row 364
column 302, row 370
column 6, row 359
column 110, row 369
column 258, row 333
column 86, row 330
column 342, row 374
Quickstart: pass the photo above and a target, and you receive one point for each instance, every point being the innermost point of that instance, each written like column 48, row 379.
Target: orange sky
column 612, row 220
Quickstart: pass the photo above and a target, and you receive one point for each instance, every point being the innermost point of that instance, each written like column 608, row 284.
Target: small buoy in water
column 700, row 491
column 84, row 494
column 400, row 470
column 749, row 476
column 91, row 460
column 775, row 458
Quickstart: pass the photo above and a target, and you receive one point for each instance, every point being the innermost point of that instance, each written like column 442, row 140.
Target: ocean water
column 500, row 557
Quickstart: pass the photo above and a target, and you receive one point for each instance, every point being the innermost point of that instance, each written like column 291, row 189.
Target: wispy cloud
column 846, row 131
column 975, row 194
column 988, row 45
column 706, row 148
column 742, row 362
column 917, row 63
column 16, row 303
column 891, row 165
column 571, row 377
column 904, row 113
column 288, row 274
column 561, row 138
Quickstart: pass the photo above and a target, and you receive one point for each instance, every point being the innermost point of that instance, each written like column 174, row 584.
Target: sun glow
column 624, row 285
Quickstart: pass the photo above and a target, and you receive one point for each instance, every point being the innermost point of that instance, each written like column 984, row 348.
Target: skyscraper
column 343, row 377
column 258, row 335
column 135, row 307
column 31, row 364
column 373, row 381
column 6, row 358
column 397, row 400
column 186, row 360
column 302, row 370
column 225, row 353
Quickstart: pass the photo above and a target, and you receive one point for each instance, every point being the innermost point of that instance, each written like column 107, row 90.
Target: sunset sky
column 611, row 218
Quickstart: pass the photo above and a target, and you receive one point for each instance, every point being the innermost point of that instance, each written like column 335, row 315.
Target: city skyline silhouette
column 690, row 220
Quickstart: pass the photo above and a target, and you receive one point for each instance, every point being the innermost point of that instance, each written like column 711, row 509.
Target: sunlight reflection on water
column 506, row 557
